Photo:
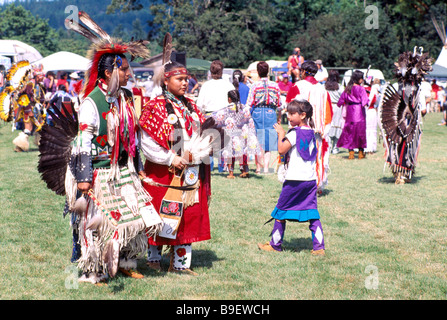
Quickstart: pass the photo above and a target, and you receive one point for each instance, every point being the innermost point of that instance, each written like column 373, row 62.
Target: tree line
column 342, row 33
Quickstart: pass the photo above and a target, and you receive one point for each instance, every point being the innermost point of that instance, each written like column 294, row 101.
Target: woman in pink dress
column 354, row 98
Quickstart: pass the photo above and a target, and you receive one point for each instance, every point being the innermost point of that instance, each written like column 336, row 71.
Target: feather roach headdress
column 411, row 67
column 102, row 44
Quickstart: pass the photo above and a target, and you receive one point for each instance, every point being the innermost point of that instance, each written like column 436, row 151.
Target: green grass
column 368, row 222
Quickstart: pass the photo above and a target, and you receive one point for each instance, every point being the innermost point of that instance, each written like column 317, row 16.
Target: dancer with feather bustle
column 112, row 215
column 401, row 114
column 172, row 127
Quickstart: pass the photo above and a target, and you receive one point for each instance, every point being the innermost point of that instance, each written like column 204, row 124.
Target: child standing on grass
column 298, row 199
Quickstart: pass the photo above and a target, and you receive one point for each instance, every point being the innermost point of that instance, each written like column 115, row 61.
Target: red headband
column 176, row 72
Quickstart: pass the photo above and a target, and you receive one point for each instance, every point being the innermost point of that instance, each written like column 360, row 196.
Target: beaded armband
column 83, row 168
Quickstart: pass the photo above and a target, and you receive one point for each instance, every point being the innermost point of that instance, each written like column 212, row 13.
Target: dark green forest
column 343, row 33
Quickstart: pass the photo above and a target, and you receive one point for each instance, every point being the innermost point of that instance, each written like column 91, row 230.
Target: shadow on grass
column 324, row 193
column 252, row 175
column 200, row 259
column 298, row 244
column 391, row 180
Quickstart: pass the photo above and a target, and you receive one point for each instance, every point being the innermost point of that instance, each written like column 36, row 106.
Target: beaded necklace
column 186, row 114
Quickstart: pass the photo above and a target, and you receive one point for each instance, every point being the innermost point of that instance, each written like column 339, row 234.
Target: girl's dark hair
column 300, row 106
column 106, row 63
column 332, row 81
column 238, row 77
column 310, row 68
column 356, row 76
column 233, row 95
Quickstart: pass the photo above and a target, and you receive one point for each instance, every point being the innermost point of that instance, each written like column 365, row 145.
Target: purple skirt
column 298, row 201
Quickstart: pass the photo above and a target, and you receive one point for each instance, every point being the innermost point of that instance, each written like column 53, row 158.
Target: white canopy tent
column 63, row 60
column 442, row 58
column 371, row 73
column 18, row 51
column 6, row 62
column 440, row 66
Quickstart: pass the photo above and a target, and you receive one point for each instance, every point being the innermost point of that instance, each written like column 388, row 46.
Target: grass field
column 383, row 241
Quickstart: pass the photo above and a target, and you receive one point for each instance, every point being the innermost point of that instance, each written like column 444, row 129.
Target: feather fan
column 55, row 148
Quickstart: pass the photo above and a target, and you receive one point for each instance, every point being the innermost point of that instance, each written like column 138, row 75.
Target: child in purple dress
column 298, row 199
column 354, row 98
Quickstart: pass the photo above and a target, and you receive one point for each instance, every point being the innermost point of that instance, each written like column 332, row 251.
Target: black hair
column 173, row 65
column 310, row 68
column 263, row 69
column 233, row 95
column 356, row 76
column 332, row 80
column 106, row 62
column 302, row 106
column 62, row 87
column 238, row 77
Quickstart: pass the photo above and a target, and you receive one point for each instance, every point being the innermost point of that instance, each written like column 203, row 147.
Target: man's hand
column 84, row 187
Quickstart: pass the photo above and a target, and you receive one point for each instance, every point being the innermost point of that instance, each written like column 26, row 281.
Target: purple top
column 354, row 131
column 354, row 103
column 46, row 84
column 303, row 139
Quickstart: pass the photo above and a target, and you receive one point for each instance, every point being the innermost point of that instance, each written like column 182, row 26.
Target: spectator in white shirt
column 213, row 95
column 322, row 74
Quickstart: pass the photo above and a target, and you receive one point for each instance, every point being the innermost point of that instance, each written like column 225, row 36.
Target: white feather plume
column 200, row 146
column 111, row 256
column 95, row 222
